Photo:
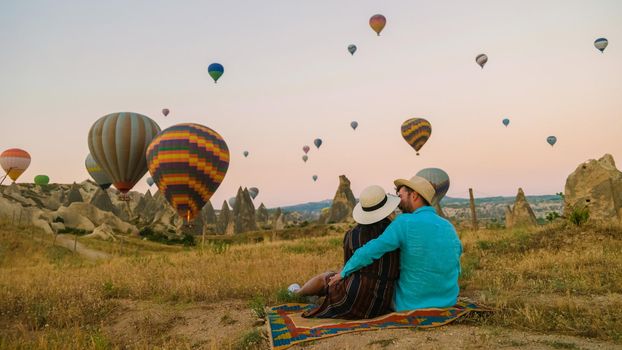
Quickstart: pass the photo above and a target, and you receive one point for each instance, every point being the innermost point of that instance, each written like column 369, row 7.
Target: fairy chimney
column 521, row 215
column 343, row 203
column 224, row 219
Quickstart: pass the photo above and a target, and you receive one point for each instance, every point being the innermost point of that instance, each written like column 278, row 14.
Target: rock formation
column 244, row 212
column 262, row 214
column 208, row 214
column 343, row 203
column 74, row 195
column 85, row 216
column 521, row 214
column 597, row 185
column 103, row 232
column 102, row 201
column 278, row 220
column 224, row 219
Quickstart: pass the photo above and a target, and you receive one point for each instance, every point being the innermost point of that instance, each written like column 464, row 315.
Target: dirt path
column 91, row 254
column 222, row 325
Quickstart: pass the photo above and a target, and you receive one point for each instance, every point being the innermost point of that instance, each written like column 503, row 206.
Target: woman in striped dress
column 367, row 293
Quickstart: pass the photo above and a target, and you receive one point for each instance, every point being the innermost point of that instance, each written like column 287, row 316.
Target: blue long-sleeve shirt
column 429, row 259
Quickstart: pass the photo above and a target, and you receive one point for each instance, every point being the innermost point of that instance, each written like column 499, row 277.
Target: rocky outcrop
column 74, row 195
column 262, row 214
column 85, row 216
column 101, row 201
column 278, row 220
column 103, row 232
column 343, row 203
column 597, row 186
column 244, row 212
column 208, row 214
column 521, row 214
column 224, row 219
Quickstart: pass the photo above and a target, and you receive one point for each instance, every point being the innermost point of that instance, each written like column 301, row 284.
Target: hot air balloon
column 354, row 125
column 317, row 143
column 188, row 162
column 215, row 70
column 253, row 191
column 165, row 111
column 305, row 158
column 551, row 140
column 352, row 49
column 601, row 44
column 150, row 181
column 314, row 178
column 42, row 180
column 506, row 121
column 14, row 161
column 245, row 154
column 439, row 180
column 377, row 23
column 231, row 201
column 481, row 59
column 99, row 176
column 118, row 142
column 416, row 132
column 306, row 149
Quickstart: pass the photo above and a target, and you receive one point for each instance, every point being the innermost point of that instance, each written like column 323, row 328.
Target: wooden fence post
column 473, row 213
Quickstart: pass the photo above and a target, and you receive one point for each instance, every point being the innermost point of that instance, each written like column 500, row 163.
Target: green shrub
column 258, row 305
column 579, row 216
column 551, row 216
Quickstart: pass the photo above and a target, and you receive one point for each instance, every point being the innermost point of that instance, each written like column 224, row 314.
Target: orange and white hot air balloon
column 377, row 23
column 14, row 161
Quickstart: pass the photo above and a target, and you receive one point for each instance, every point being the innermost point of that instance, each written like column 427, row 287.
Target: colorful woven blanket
column 287, row 327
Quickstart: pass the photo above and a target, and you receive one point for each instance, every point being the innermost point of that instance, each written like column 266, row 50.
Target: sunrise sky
column 290, row 79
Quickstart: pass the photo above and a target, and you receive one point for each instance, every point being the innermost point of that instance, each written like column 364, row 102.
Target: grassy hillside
column 559, row 279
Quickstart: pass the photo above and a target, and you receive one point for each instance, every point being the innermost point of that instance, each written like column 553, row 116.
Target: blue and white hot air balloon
column 601, row 44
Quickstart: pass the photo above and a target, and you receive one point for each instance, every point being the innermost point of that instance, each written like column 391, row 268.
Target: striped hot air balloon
column 14, row 161
column 188, row 162
column 97, row 173
column 601, row 44
column 439, row 180
column 118, row 142
column 416, row 132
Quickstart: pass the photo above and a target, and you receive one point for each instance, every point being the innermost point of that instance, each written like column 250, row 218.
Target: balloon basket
column 124, row 197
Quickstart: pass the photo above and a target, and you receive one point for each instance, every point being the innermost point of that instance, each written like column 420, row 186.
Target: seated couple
column 391, row 264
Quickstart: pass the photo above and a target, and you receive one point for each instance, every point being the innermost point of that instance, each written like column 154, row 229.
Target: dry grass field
column 559, row 280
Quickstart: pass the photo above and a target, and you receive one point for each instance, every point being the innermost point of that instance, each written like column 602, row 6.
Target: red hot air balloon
column 306, row 149
column 188, row 162
column 377, row 23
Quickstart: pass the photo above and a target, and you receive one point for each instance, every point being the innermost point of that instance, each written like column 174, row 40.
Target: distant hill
column 488, row 208
column 309, row 206
column 450, row 201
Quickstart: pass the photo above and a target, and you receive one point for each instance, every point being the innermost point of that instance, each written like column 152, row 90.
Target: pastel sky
column 290, row 79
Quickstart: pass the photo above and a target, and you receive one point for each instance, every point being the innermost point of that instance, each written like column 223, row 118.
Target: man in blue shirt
column 429, row 251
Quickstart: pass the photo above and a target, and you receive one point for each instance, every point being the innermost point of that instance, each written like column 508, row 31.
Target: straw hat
column 374, row 205
column 419, row 185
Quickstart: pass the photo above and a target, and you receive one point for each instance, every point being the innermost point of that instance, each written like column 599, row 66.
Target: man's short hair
column 410, row 190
